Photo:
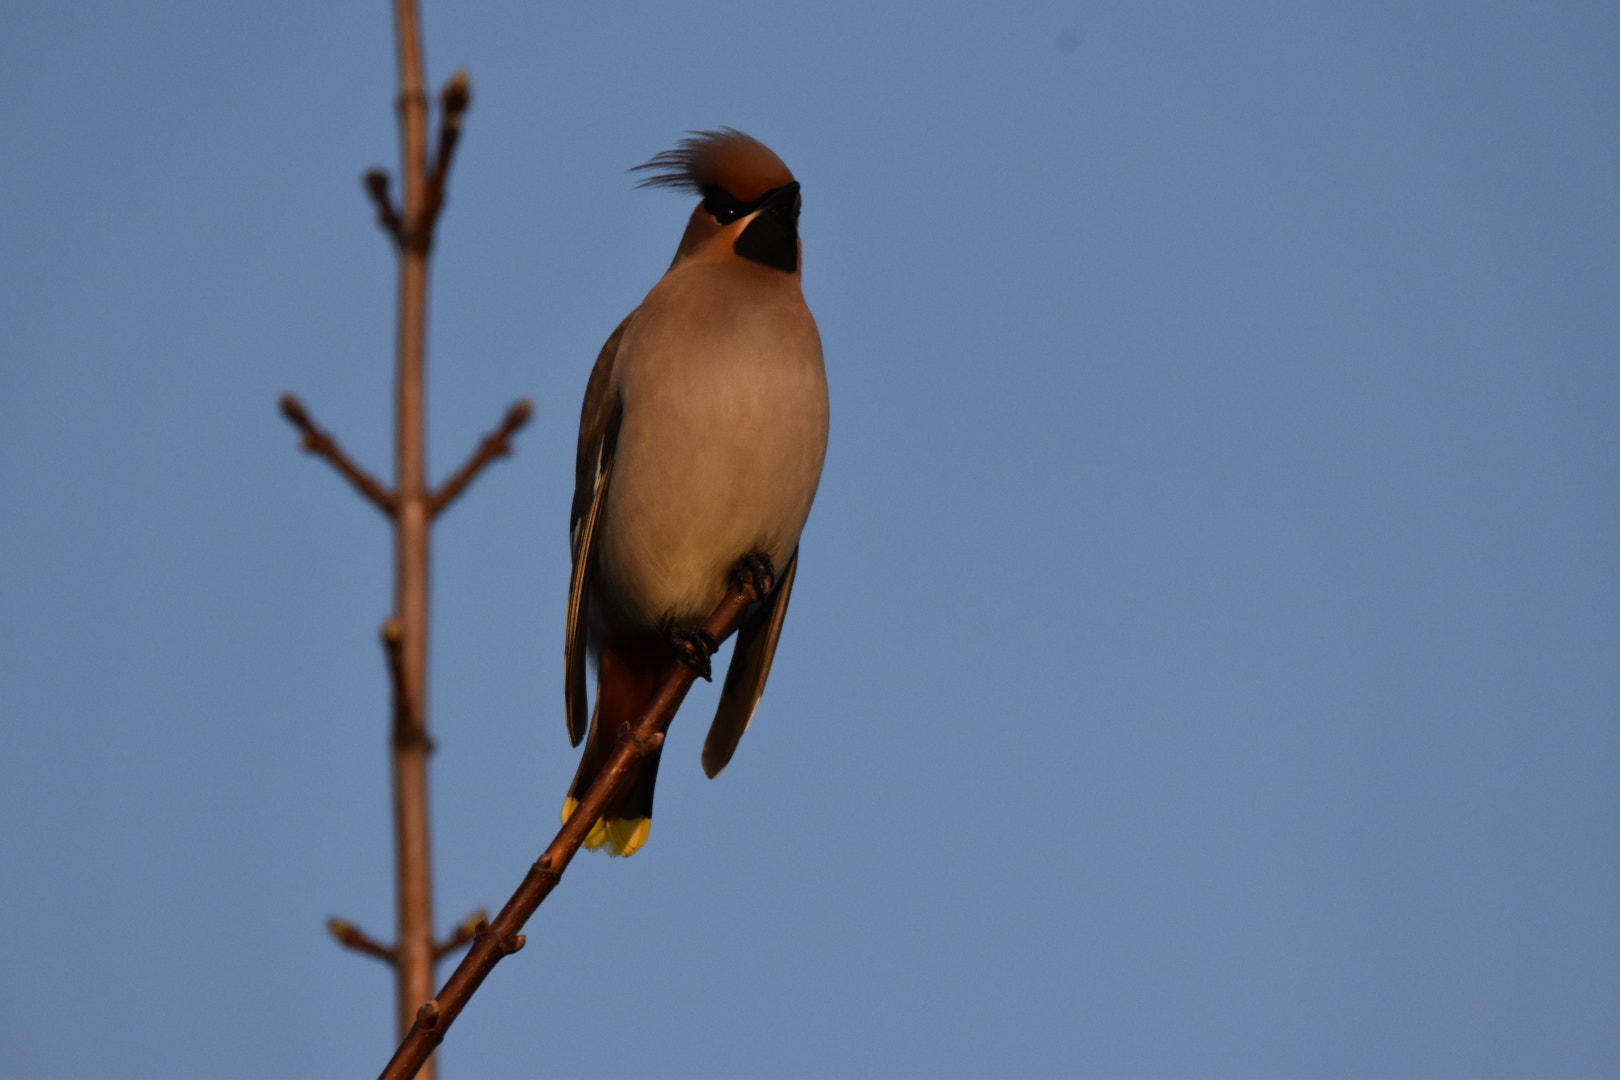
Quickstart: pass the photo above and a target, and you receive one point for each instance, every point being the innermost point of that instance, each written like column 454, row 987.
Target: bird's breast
column 720, row 447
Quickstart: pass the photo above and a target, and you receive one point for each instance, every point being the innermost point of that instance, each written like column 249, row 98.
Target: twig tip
column 292, row 409
column 457, row 94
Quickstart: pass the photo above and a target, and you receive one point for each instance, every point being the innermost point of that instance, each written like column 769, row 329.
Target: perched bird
column 700, row 448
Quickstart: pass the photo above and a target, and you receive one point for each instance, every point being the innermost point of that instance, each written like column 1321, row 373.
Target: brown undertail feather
column 627, row 680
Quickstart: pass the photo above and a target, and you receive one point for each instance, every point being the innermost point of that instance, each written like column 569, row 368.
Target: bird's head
column 750, row 206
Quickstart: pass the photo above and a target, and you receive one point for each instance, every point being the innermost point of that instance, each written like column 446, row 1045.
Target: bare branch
column 413, row 842
column 463, row 934
column 409, row 731
column 497, row 444
column 501, row 938
column 376, row 181
column 323, row 445
column 410, row 505
column 351, row 936
column 454, row 100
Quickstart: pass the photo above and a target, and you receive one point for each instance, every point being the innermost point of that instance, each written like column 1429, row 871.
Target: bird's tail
column 626, row 681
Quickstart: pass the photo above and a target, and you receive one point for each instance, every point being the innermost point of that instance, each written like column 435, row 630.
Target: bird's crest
column 738, row 164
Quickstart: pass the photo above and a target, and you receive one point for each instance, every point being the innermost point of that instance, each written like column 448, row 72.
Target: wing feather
column 593, row 467
column 745, row 678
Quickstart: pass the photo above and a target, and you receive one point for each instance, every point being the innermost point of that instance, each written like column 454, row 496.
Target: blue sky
column 1205, row 656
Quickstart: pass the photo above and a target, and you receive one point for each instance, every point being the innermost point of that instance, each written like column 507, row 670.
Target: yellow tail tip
column 622, row 837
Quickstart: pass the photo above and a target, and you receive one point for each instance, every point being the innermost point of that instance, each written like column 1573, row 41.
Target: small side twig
column 463, row 934
column 454, row 101
column 497, row 444
column 352, row 937
column 376, row 181
column 321, row 444
column 409, row 730
column 501, row 938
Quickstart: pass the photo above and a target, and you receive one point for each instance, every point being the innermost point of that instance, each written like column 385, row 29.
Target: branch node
column 411, row 738
column 428, row 1015
column 514, row 943
column 409, row 99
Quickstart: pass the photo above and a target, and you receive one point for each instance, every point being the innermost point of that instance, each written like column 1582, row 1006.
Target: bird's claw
column 755, row 569
column 694, row 645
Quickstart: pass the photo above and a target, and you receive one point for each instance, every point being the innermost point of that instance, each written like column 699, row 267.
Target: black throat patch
column 772, row 238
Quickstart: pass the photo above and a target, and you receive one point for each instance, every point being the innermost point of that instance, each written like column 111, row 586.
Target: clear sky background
column 1205, row 659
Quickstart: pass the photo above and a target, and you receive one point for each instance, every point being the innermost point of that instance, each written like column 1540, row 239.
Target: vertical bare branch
column 411, row 505
column 415, row 950
column 501, row 937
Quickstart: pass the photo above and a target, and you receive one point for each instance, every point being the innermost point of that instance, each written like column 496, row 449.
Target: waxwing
column 701, row 442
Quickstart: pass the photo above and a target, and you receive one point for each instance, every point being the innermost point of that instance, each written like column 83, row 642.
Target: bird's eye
column 724, row 208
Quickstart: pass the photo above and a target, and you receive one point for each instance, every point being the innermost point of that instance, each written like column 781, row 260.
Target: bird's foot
column 694, row 645
column 755, row 569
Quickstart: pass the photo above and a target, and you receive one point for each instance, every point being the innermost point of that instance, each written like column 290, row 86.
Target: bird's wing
column 745, row 678
column 598, row 432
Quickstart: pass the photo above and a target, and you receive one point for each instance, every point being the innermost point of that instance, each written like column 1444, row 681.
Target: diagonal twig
column 497, row 444
column 352, row 937
column 501, row 938
column 321, row 444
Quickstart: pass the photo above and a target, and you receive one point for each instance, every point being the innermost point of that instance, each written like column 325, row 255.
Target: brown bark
column 414, row 949
column 411, row 506
column 501, row 937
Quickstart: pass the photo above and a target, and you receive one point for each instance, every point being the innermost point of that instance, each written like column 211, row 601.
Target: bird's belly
column 723, row 464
